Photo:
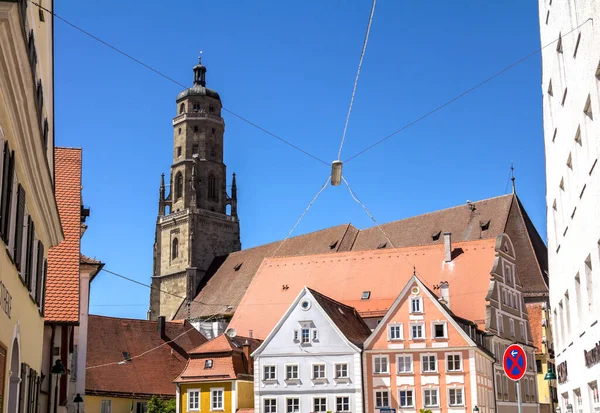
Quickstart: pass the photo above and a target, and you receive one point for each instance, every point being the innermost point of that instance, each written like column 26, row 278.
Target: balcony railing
column 196, row 115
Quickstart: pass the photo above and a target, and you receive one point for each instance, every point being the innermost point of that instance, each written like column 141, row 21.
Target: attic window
column 485, row 225
column 570, row 161
column 559, row 47
column 382, row 245
column 578, row 135
column 562, row 184
column 333, row 245
column 366, row 295
column 436, row 235
column 550, row 88
column 587, row 109
column 208, row 364
column 126, row 356
column 237, row 266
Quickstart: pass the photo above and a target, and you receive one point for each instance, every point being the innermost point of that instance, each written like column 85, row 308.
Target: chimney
column 447, row 246
column 249, row 362
column 250, row 333
column 161, row 327
column 445, row 293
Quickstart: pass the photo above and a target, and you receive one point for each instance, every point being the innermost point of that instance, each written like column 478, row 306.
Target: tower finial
column 200, row 72
column 200, row 58
column 512, row 176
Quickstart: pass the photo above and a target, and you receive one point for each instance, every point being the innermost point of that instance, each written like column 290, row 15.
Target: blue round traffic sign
column 514, row 362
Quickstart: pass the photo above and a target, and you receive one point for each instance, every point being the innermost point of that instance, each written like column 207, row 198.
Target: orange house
column 421, row 355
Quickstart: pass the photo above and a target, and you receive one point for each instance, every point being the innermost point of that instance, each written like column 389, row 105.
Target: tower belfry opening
column 192, row 217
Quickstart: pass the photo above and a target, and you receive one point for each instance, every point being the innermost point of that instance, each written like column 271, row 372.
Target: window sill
column 342, row 379
column 292, row 380
column 382, row 374
column 441, row 338
column 405, row 373
column 455, row 371
column 430, row 373
column 320, row 380
column 269, row 380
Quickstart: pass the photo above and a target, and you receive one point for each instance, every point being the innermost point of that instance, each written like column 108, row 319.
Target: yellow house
column 218, row 377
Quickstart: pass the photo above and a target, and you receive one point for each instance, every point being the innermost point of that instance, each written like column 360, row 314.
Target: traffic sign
column 514, row 362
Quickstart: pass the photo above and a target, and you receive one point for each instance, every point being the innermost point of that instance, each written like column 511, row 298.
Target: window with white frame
column 305, row 335
column 380, row 364
column 291, row 372
column 578, row 400
column 428, row 363
column 341, row 370
column 439, row 329
column 193, row 396
column 382, row 399
column 455, row 396
column 395, row 331
column 405, row 398
column 342, row 404
column 416, row 304
column 430, row 397
column 106, row 406
column 319, row 404
column 216, row 399
column 292, row 405
column 270, row 405
column 318, row 372
column 269, row 373
column 404, row 363
column 454, row 362
column 417, row 331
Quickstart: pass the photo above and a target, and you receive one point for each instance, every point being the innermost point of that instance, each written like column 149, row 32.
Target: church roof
column 381, row 273
column 228, row 277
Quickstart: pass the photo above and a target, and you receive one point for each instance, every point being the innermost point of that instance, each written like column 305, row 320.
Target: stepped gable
column 228, row 277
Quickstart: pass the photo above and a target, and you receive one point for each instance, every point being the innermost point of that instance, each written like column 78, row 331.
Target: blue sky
column 289, row 67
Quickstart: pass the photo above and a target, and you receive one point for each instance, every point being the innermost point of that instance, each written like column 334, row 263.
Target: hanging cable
column 169, row 78
column 360, row 61
column 466, row 92
column 303, row 214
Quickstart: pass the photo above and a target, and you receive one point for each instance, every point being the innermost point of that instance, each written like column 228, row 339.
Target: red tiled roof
column 62, row 280
column 228, row 360
column 534, row 311
column 152, row 373
column 87, row 260
column 344, row 277
column 346, row 318
column 224, row 286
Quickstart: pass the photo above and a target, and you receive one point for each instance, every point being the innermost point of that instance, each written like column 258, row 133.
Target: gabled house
column 218, row 376
column 311, row 360
column 422, row 356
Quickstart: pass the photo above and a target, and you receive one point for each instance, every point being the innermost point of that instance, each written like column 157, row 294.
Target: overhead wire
column 147, row 66
column 360, row 61
column 466, row 92
column 303, row 214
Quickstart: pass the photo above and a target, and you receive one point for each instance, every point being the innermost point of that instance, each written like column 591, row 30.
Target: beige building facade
column 29, row 220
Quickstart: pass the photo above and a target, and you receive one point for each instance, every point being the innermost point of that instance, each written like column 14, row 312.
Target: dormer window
column 365, row 295
column 208, row 364
column 436, row 236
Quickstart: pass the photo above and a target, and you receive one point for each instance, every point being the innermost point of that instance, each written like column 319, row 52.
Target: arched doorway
column 14, row 380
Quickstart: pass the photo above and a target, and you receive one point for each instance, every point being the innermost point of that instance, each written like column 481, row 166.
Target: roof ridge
column 439, row 210
column 177, row 322
column 329, row 298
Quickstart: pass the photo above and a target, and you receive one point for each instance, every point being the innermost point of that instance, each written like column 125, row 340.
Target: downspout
column 49, row 400
column 494, row 386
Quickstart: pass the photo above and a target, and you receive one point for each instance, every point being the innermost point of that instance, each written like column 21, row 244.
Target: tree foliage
column 157, row 405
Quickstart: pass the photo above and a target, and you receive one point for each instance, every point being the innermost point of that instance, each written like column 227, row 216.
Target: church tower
column 193, row 225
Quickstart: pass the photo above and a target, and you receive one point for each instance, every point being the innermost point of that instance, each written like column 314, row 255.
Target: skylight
column 366, row 295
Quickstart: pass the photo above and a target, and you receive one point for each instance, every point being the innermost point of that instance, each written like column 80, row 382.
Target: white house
column 311, row 361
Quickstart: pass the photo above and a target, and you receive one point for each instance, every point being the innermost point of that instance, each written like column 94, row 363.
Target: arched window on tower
column 211, row 108
column 178, row 186
column 213, row 154
column 181, row 108
column 175, row 249
column 212, row 187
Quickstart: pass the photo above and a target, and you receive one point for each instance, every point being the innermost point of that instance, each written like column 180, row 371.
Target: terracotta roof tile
column 152, row 373
column 224, row 286
column 383, row 273
column 346, row 318
column 62, row 281
column 227, row 360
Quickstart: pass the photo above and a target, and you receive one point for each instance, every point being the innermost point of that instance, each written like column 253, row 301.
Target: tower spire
column 234, row 197
column 200, row 72
column 161, row 196
column 512, row 177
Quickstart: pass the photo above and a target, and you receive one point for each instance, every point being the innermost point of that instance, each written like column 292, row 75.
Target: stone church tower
column 193, row 225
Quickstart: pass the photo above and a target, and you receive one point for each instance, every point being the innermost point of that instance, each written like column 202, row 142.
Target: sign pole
column 519, row 396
